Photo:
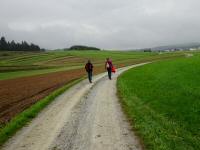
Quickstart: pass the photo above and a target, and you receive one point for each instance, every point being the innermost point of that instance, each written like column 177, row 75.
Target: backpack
column 89, row 67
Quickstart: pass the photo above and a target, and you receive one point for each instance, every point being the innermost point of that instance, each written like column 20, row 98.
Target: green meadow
column 162, row 100
column 20, row 64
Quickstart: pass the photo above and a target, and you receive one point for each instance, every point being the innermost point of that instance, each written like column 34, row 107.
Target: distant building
column 193, row 49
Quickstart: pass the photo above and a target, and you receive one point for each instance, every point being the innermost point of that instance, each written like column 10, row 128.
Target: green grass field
column 20, row 64
column 163, row 101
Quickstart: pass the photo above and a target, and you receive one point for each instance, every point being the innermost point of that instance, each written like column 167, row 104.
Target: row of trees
column 82, row 47
column 13, row 46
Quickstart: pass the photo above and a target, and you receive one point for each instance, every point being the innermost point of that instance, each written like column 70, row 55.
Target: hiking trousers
column 109, row 73
column 90, row 76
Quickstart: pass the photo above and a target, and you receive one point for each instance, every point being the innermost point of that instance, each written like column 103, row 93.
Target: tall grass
column 163, row 101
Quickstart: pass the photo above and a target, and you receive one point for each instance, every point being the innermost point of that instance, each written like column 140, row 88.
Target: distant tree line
column 13, row 46
column 81, row 47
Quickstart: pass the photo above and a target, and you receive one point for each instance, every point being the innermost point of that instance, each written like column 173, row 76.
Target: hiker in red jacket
column 89, row 69
column 108, row 67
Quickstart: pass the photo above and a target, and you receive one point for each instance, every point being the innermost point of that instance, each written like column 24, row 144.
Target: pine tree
column 12, row 46
column 3, row 44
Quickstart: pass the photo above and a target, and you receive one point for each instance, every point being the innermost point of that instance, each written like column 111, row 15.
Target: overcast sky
column 108, row 24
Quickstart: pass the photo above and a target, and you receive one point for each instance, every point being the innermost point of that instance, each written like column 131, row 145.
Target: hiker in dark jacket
column 89, row 69
column 108, row 67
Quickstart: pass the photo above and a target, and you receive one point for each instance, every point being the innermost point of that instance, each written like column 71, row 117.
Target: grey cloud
column 115, row 24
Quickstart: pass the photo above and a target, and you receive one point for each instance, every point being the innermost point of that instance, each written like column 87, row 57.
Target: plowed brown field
column 20, row 93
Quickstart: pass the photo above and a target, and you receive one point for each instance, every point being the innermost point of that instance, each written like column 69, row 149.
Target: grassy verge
column 163, row 102
column 23, row 118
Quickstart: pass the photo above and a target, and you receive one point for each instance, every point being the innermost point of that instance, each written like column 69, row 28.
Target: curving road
column 86, row 117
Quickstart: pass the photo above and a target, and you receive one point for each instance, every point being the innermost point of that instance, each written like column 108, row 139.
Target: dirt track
column 20, row 93
column 86, row 117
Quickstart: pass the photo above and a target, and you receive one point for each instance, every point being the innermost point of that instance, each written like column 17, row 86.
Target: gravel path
column 86, row 117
